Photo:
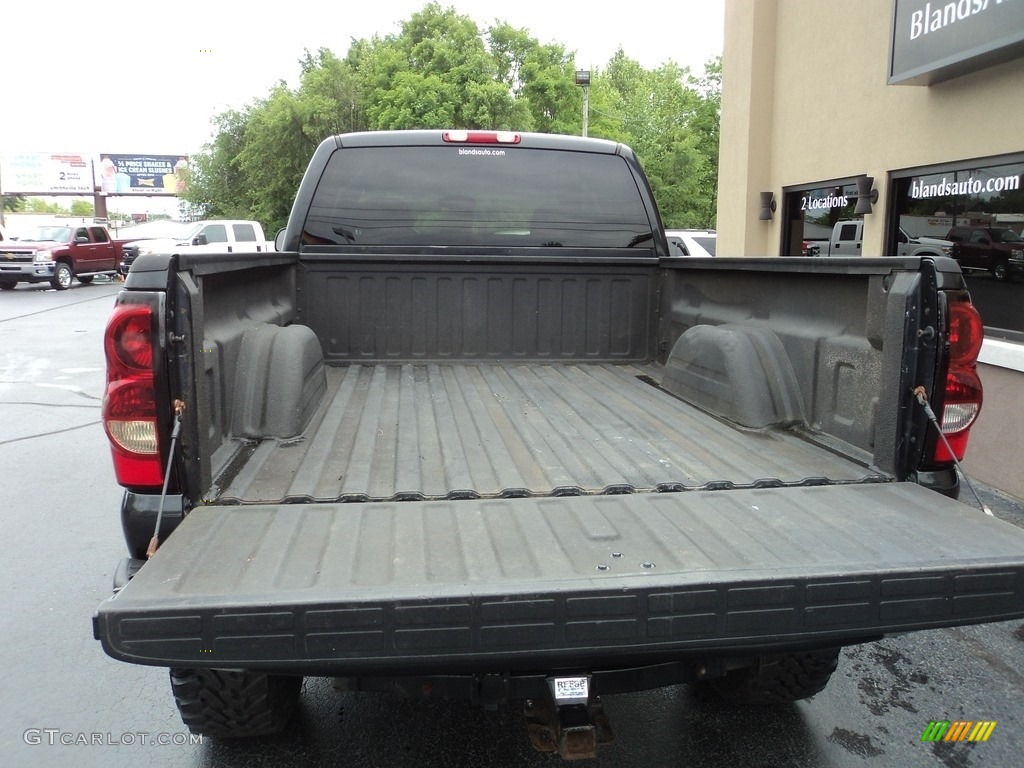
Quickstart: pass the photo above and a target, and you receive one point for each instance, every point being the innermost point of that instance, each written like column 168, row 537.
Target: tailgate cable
column 179, row 406
column 922, row 398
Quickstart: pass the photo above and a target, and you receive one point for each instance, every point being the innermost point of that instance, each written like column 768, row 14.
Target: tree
column 670, row 119
column 38, row 205
column 14, row 203
column 706, row 123
column 217, row 186
column 441, row 71
column 437, row 73
column 82, row 208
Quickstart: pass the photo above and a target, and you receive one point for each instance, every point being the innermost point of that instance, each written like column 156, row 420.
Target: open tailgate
column 516, row 583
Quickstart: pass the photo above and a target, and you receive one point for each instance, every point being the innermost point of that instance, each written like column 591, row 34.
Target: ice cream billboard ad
column 45, row 173
column 142, row 174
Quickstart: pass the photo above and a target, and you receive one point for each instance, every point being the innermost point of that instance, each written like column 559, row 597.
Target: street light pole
column 583, row 80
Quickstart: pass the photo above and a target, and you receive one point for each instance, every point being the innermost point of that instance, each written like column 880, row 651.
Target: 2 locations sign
column 934, row 40
column 70, row 173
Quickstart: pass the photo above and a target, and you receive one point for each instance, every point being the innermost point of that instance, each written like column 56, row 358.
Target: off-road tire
column 85, row 279
column 7, row 285
column 781, row 679
column 62, row 276
column 234, row 704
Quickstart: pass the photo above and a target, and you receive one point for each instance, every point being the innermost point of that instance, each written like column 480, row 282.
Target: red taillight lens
column 129, row 402
column 966, row 332
column 963, row 395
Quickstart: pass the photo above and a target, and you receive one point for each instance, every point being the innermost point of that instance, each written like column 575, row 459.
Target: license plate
column 571, row 688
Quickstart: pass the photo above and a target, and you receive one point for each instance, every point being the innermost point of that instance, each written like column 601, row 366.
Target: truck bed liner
column 437, row 431
column 527, row 583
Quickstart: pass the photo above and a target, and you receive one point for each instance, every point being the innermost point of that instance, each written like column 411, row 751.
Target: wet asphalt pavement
column 65, row 703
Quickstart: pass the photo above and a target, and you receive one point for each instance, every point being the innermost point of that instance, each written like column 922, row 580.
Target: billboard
column 46, row 173
column 141, row 174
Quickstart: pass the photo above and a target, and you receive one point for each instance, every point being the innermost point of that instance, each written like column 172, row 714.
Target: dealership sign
column 46, row 173
column 141, row 174
column 935, row 40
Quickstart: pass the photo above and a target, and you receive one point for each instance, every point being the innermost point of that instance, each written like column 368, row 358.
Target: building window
column 813, row 212
column 978, row 207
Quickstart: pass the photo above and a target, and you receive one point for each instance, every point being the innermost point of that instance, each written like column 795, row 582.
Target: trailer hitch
column 569, row 721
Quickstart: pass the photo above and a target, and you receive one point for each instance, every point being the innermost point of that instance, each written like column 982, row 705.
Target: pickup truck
column 848, row 235
column 473, row 432
column 57, row 255
column 997, row 250
column 214, row 236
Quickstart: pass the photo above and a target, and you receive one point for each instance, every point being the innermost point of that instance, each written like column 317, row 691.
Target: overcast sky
column 146, row 76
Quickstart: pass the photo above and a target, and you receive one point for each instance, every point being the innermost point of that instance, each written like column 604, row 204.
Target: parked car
column 134, row 237
column 998, row 250
column 413, row 467
column 848, row 236
column 812, row 247
column 218, row 236
column 691, row 242
column 57, row 255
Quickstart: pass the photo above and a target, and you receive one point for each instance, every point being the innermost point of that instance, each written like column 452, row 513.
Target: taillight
column 129, row 401
column 963, row 395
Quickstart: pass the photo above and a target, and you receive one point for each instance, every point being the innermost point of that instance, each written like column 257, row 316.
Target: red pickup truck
column 59, row 254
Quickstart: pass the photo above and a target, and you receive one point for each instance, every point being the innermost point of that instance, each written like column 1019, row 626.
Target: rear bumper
column 584, row 582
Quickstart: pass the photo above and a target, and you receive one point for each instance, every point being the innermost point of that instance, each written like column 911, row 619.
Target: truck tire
column 789, row 677
column 1001, row 271
column 61, row 276
column 85, row 279
column 7, row 285
column 234, row 704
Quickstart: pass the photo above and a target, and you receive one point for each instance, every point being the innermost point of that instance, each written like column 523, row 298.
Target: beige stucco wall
column 997, row 438
column 804, row 99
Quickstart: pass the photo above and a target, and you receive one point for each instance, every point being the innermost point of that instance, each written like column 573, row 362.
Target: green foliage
column 82, row 208
column 442, row 71
column 14, row 203
column 216, row 185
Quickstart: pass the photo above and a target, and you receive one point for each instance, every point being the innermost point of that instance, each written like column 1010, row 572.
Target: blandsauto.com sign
column 933, row 40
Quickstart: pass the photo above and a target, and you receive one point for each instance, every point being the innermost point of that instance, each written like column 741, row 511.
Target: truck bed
column 499, row 430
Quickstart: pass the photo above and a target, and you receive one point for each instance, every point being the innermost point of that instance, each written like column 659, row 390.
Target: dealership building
column 886, row 119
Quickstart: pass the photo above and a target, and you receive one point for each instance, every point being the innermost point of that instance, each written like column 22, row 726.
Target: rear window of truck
column 501, row 197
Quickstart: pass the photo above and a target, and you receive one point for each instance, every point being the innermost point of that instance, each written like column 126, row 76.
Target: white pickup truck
column 847, row 236
column 212, row 236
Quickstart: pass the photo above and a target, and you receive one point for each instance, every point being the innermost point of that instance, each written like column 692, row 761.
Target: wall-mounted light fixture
column 865, row 195
column 767, row 206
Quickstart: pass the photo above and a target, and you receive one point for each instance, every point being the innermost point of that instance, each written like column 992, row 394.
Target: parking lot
column 66, row 703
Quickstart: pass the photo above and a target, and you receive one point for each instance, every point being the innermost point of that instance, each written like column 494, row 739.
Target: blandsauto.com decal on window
column 979, row 214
